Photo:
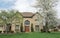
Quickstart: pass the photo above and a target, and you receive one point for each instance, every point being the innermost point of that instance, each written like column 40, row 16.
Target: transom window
column 27, row 22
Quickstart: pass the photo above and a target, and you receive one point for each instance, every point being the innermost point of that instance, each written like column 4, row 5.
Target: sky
column 23, row 5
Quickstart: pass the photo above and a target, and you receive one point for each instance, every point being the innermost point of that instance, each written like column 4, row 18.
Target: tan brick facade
column 32, row 19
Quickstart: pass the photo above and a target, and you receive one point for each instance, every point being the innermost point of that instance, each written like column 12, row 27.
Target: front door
column 26, row 28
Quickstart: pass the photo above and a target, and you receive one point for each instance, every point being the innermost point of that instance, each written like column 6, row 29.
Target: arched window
column 27, row 22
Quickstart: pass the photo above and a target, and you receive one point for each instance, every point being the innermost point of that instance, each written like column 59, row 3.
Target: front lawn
column 31, row 35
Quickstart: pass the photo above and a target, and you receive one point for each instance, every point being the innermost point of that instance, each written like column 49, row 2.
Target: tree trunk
column 46, row 27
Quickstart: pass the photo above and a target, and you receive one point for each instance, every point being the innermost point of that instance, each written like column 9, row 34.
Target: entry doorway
column 26, row 28
column 8, row 27
column 27, row 25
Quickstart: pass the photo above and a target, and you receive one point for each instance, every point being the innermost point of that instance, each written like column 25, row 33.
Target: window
column 36, row 19
column 17, row 27
column 37, row 28
column 27, row 22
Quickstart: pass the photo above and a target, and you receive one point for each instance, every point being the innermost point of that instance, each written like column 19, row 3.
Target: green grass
column 31, row 35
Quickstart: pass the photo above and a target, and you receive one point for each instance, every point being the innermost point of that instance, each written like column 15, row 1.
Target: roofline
column 37, row 13
column 32, row 15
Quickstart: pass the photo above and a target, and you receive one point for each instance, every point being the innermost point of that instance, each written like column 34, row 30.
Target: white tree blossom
column 45, row 8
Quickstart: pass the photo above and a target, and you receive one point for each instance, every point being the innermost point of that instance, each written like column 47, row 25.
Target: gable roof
column 38, row 14
column 27, row 14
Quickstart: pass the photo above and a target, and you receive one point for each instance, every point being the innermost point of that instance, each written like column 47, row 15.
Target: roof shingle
column 27, row 14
